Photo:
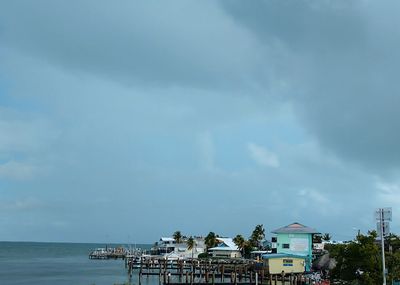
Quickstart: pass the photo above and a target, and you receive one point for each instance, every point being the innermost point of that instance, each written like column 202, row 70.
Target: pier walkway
column 211, row 272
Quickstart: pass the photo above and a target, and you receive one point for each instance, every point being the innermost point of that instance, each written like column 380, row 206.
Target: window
column 285, row 245
column 287, row 262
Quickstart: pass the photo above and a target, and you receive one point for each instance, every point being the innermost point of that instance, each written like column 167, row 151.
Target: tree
column 240, row 242
column 316, row 238
column 393, row 266
column 257, row 236
column 244, row 245
column 392, row 248
column 392, row 242
column 210, row 240
column 177, row 237
column 326, row 237
column 358, row 260
column 191, row 244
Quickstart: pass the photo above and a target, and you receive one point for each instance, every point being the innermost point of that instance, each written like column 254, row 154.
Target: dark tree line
column 359, row 261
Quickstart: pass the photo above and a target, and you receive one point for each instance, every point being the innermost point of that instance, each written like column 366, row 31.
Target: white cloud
column 263, row 156
column 317, row 200
column 313, row 196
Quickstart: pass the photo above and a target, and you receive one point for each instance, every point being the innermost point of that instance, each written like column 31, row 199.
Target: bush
column 204, row 255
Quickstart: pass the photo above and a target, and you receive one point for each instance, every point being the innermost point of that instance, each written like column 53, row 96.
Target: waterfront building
column 226, row 248
column 292, row 242
column 277, row 263
column 167, row 247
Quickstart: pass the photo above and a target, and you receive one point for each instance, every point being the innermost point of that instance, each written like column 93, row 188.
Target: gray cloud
column 150, row 103
column 160, row 43
column 342, row 64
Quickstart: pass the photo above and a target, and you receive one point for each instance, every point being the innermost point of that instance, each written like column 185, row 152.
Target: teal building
column 296, row 239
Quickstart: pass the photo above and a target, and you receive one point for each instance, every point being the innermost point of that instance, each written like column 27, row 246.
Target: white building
column 168, row 248
column 226, row 248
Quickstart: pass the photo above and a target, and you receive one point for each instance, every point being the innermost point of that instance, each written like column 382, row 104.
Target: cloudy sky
column 125, row 121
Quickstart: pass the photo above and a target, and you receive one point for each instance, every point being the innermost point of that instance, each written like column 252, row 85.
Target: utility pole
column 382, row 246
column 383, row 216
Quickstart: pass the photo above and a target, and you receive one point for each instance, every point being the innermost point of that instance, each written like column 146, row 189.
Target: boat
column 99, row 253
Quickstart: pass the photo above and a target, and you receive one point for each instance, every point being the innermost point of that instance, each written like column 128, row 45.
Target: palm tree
column 210, row 240
column 177, row 236
column 240, row 242
column 326, row 237
column 191, row 244
column 257, row 236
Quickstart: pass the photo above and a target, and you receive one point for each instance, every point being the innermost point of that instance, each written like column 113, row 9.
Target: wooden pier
column 210, row 271
column 114, row 253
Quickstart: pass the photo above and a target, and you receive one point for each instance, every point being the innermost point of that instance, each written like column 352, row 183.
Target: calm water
column 59, row 263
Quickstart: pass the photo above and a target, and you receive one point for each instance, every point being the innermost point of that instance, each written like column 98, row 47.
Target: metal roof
column 225, row 244
column 282, row 255
column 295, row 228
column 259, row 251
column 167, row 239
column 223, row 249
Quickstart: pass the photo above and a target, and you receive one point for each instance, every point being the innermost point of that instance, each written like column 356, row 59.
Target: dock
column 211, row 272
column 114, row 253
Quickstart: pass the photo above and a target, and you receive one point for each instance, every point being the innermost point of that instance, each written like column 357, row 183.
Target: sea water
column 60, row 263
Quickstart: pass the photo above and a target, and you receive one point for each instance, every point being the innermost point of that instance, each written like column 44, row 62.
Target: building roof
column 167, row 239
column 223, row 249
column 295, row 228
column 282, row 255
column 225, row 244
column 259, row 251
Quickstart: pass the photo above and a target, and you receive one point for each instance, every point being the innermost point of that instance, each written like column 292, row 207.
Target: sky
column 126, row 121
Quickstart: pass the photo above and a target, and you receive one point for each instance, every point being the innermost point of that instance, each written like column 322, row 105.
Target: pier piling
column 207, row 272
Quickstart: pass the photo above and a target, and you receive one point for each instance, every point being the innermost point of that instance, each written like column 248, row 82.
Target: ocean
column 37, row 263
